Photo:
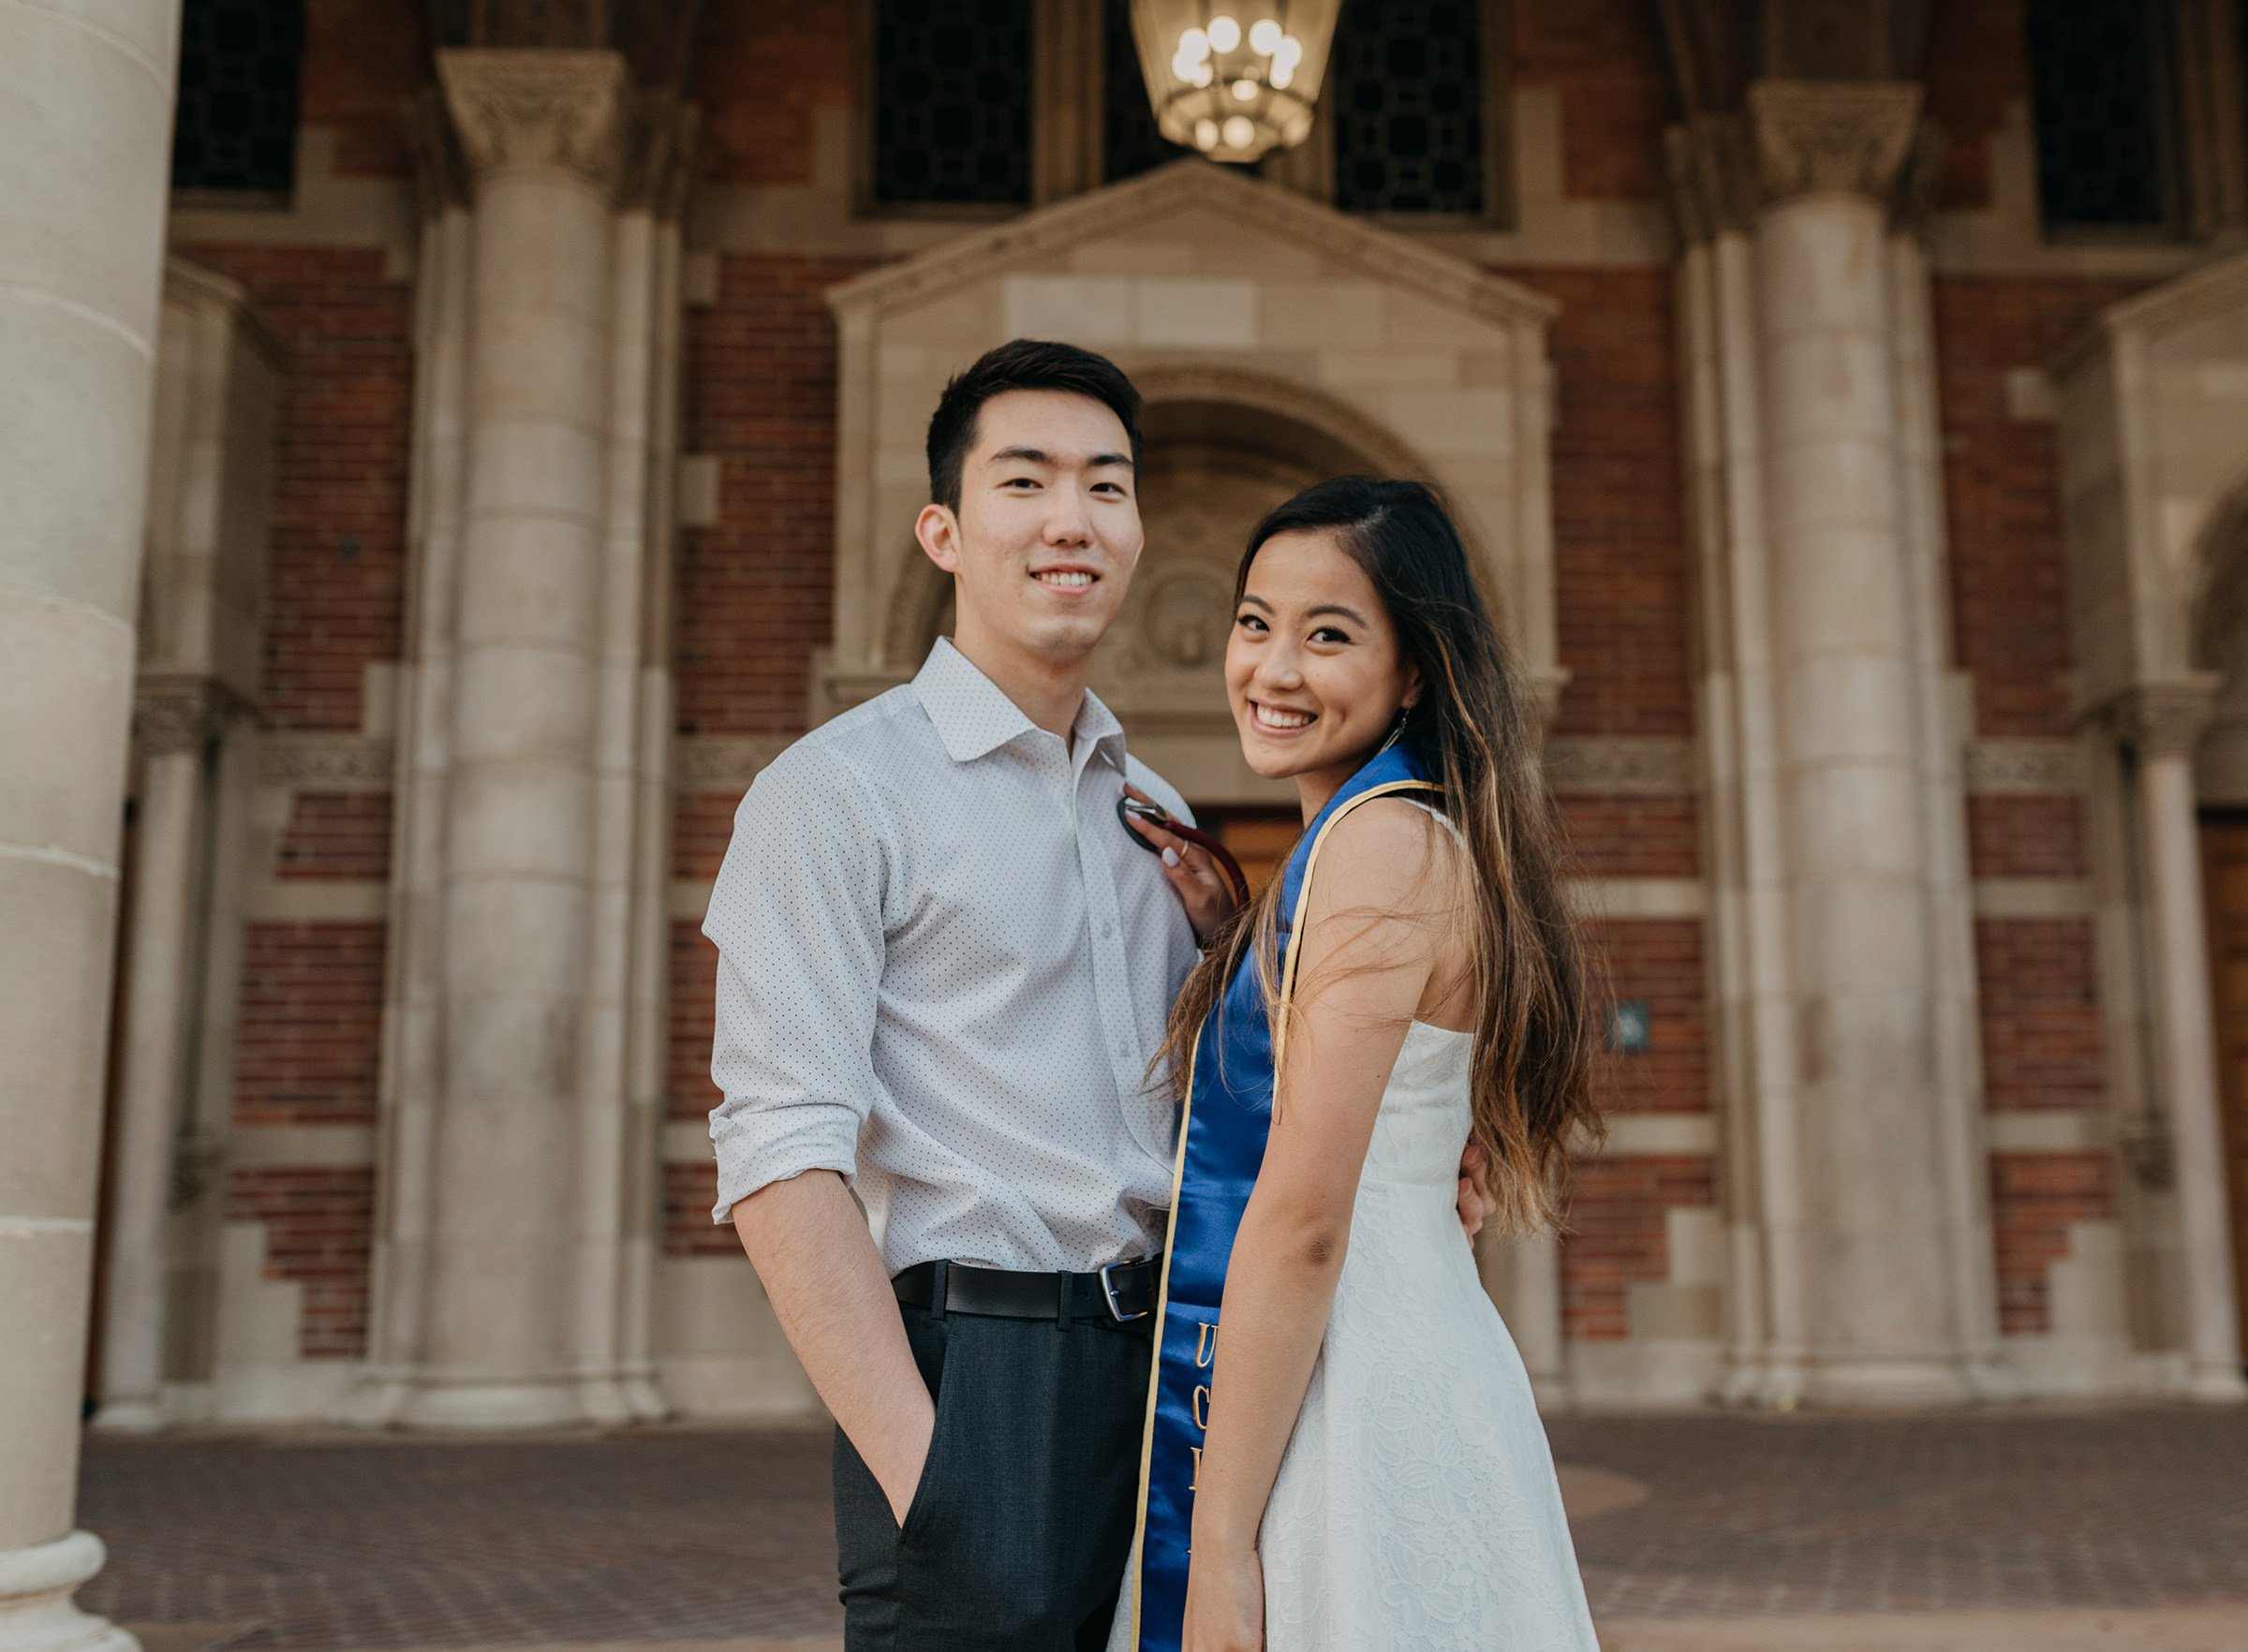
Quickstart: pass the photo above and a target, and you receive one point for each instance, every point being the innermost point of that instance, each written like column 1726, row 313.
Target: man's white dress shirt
column 944, row 965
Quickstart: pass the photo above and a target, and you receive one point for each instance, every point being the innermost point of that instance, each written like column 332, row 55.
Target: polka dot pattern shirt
column 944, row 965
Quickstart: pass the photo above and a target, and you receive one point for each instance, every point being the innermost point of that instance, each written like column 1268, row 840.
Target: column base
column 2216, row 1385
column 1899, row 1384
column 137, row 1415
column 37, row 1614
column 470, row 1404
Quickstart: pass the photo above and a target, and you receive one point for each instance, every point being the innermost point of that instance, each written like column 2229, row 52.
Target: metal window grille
column 2102, row 159
column 1406, row 96
column 235, row 128
column 1130, row 143
column 951, row 99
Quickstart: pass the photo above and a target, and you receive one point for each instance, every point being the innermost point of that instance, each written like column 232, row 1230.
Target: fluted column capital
column 1795, row 137
column 1813, row 135
column 2163, row 718
column 565, row 110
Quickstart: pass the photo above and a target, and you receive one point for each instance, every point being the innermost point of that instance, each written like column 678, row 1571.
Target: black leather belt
column 1122, row 1294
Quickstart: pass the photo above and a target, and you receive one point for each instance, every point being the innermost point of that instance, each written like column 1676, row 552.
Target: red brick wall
column 317, row 1223
column 2043, row 1048
column 1605, row 57
column 688, row 1090
column 2036, row 1196
column 344, row 835
column 305, row 1051
column 2002, row 492
column 1616, row 1234
column 1977, row 63
column 1631, row 836
column 754, row 592
column 362, row 59
column 688, row 1192
column 1618, row 521
column 760, row 72
column 1659, row 961
column 337, row 538
column 309, row 1029
column 2009, row 836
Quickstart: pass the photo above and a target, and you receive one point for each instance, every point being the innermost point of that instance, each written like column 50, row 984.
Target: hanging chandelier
column 1234, row 79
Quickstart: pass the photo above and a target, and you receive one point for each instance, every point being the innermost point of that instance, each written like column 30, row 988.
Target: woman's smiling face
column 1313, row 670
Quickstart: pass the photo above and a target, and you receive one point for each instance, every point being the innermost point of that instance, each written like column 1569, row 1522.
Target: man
column 944, row 965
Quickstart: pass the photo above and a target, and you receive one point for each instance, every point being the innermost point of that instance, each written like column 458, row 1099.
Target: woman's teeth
column 1272, row 717
column 1074, row 581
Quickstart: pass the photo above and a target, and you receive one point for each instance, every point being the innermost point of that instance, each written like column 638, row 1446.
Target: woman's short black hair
column 1020, row 365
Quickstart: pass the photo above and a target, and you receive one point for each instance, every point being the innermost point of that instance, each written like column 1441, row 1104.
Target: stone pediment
column 1239, row 207
column 1275, row 341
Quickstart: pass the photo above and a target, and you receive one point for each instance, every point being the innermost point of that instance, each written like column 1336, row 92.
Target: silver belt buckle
column 1108, row 1289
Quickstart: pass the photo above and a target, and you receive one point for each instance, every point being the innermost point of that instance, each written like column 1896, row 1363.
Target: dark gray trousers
column 1019, row 1531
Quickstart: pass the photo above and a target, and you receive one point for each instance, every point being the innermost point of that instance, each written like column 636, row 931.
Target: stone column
column 174, row 726
column 1827, row 156
column 2162, row 722
column 85, row 114
column 543, row 134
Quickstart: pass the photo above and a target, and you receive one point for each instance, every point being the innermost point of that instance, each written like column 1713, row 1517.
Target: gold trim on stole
column 1178, row 1162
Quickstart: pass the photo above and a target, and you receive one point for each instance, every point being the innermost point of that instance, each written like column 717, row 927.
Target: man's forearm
column 818, row 1265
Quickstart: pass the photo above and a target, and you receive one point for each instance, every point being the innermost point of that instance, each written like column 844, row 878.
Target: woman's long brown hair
column 1530, row 1073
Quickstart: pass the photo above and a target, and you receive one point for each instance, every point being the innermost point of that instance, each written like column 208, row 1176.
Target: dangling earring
column 1397, row 730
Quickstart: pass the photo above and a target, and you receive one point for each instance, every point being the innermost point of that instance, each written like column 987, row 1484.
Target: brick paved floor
column 321, row 1544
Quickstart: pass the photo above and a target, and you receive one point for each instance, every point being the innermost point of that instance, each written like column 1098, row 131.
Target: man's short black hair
column 1020, row 365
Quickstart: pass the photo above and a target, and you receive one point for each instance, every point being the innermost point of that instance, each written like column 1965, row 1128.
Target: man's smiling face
column 1047, row 534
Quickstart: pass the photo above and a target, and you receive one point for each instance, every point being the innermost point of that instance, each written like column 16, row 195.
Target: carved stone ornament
column 325, row 763
column 565, row 109
column 181, row 714
column 1832, row 135
column 2024, row 767
column 721, row 762
column 1620, row 766
column 2162, row 718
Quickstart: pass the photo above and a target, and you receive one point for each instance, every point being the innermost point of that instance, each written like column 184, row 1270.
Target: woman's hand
column 1225, row 1601
column 1201, row 888
column 1475, row 1204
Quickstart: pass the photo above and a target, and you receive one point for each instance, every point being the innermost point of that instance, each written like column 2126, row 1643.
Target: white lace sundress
column 1416, row 1507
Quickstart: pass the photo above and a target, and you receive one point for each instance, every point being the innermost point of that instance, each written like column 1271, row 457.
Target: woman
column 1364, row 1468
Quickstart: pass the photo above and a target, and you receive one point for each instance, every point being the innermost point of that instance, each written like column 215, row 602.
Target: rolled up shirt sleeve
column 797, row 915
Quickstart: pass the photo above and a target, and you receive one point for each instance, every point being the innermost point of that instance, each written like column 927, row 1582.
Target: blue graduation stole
column 1228, row 1115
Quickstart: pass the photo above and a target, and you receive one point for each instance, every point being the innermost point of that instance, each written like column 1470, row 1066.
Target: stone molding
column 1382, row 254
column 2023, row 767
column 722, row 762
column 2219, row 290
column 1812, row 136
column 181, row 712
column 2163, row 718
column 1620, row 766
column 325, row 763
column 562, row 109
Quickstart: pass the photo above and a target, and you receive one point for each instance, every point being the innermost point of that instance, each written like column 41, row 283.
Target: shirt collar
column 974, row 718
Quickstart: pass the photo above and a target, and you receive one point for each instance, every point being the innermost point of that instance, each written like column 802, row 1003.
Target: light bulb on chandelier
column 1234, row 88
